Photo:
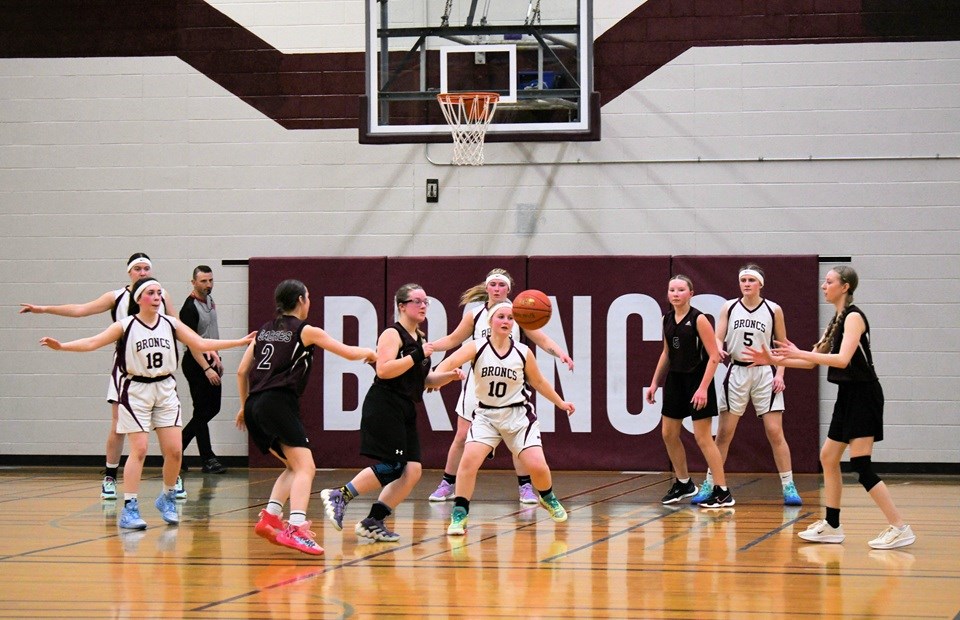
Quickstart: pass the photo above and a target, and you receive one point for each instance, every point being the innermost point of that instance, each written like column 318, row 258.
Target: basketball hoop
column 468, row 115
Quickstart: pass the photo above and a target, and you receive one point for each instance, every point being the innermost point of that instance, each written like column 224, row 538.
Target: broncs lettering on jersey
column 498, row 371
column 749, row 324
column 148, row 343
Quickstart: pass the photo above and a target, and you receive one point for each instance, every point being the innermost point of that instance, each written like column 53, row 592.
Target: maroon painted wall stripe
column 321, row 91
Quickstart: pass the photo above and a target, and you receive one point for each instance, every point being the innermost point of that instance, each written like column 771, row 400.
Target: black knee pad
column 864, row 468
column 388, row 471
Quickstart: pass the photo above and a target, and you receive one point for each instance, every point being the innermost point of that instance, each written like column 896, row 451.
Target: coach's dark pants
column 206, row 405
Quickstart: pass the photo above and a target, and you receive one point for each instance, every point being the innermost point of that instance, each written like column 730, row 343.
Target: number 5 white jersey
column 749, row 328
column 145, row 351
column 500, row 381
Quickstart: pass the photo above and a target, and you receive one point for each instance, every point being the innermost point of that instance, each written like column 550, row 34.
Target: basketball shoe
column 130, row 517
column 168, row 507
column 458, row 522
column 299, row 537
column 554, row 507
column 527, row 494
column 678, row 491
column 790, row 495
column 374, row 529
column 108, row 488
column 334, row 505
column 268, row 527
column 444, row 491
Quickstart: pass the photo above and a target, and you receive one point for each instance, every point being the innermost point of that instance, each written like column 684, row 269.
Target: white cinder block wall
column 103, row 157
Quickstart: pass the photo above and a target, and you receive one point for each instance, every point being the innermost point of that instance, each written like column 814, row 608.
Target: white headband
column 137, row 261
column 497, row 276
column 493, row 310
column 752, row 272
column 138, row 292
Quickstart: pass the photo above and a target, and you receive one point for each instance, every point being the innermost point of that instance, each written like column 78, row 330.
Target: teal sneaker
column 458, row 522
column 130, row 517
column 168, row 507
column 706, row 491
column 790, row 495
column 553, row 506
column 178, row 491
column 108, row 489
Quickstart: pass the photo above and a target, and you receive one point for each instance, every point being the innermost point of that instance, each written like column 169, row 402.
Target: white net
column 468, row 115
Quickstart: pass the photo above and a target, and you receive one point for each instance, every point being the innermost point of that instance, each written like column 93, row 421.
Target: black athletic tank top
column 861, row 364
column 280, row 359
column 412, row 382
column 684, row 348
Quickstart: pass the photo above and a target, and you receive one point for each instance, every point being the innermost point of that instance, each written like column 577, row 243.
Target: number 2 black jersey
column 280, row 359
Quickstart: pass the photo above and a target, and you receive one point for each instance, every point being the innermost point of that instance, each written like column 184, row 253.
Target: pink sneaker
column 299, row 537
column 268, row 526
column 528, row 495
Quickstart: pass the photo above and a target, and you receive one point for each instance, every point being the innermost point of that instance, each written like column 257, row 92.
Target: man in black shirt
column 203, row 370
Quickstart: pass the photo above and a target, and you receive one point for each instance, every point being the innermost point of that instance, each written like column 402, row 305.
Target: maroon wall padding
column 595, row 297
column 603, row 279
column 792, row 282
column 362, row 277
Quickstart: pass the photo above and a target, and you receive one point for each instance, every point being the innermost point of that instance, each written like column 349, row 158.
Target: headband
column 497, row 276
column 138, row 292
column 137, row 261
column 751, row 272
column 493, row 310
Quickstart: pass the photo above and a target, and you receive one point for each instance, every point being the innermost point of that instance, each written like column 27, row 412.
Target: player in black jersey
column 686, row 367
column 272, row 375
column 388, row 423
column 857, row 415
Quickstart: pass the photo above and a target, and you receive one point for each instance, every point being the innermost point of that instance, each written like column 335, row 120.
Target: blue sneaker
column 130, row 517
column 334, row 505
column 178, row 491
column 790, row 495
column 706, row 490
column 168, row 507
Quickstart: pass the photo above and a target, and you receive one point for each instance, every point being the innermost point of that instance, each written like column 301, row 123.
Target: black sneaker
column 213, row 466
column 679, row 490
column 719, row 499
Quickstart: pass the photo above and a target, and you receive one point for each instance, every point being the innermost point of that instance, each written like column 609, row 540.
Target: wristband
column 208, row 368
column 417, row 355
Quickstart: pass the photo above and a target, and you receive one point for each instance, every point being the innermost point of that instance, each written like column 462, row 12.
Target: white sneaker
column 891, row 538
column 821, row 532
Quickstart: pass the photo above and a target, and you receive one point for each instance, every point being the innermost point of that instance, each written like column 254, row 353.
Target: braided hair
column 847, row 276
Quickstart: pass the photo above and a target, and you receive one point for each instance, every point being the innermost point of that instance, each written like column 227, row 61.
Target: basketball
column 532, row 309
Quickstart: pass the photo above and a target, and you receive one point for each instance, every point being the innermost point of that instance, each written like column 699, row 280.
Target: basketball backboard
column 538, row 56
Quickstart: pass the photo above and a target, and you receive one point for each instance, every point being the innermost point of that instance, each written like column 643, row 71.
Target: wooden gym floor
column 621, row 554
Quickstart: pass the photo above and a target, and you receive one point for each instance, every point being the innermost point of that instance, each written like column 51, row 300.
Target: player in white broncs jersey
column 145, row 360
column 752, row 321
column 115, row 302
column 505, row 376
column 475, row 324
